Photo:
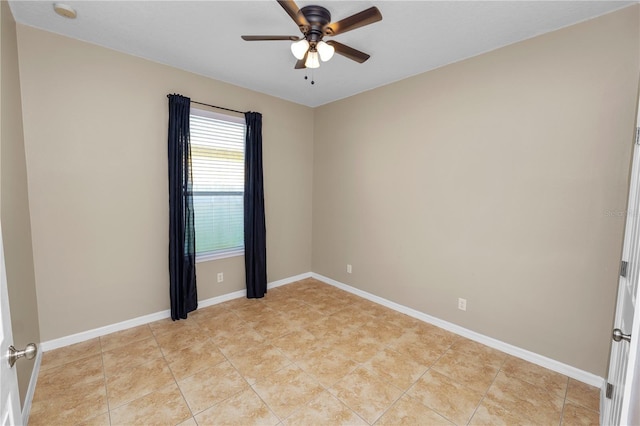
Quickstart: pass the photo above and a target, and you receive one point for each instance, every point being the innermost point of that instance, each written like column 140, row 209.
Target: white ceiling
column 204, row 37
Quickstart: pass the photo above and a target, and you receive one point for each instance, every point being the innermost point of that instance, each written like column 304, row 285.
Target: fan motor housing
column 318, row 17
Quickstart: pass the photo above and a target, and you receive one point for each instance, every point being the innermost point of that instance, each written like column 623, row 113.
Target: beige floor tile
column 175, row 341
column 222, row 324
column 359, row 345
column 366, row 393
column 399, row 369
column 425, row 349
column 327, row 365
column 257, row 314
column 466, row 370
column 125, row 357
column 303, row 316
column 237, row 340
column 350, row 298
column 276, row 326
column 405, row 322
column 382, row 331
column 429, row 331
column 574, row 414
column 281, row 293
column 68, row 377
column 167, row 325
column 481, row 353
column 259, row 361
column 330, row 328
column 328, row 305
column 101, row 420
column 138, row 381
column 297, row 344
column 285, row 303
column 162, row 407
column 243, row 409
column 445, row 396
column 76, row 405
column 584, row 395
column 525, row 400
column 287, row 390
column 242, row 302
column 324, row 410
column 371, row 308
column 491, row 414
column 70, row 353
column 351, row 317
column 189, row 422
column 408, row 411
column 536, row 375
column 211, row 386
column 125, row 337
column 194, row 358
column 208, row 313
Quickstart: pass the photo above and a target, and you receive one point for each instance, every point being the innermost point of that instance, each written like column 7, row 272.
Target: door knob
column 619, row 335
column 29, row 353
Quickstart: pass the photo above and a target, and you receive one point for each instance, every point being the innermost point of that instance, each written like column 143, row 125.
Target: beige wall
column 490, row 179
column 96, row 134
column 14, row 203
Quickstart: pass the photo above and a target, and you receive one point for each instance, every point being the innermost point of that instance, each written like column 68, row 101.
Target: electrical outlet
column 220, row 277
column 462, row 304
column 349, row 269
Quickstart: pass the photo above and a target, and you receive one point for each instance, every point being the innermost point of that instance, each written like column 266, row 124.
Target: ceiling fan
column 315, row 23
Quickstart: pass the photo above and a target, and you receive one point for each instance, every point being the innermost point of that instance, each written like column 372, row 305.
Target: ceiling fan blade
column 360, row 19
column 349, row 52
column 300, row 64
column 269, row 38
column 293, row 10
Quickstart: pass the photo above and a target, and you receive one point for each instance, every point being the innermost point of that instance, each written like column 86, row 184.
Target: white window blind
column 217, row 167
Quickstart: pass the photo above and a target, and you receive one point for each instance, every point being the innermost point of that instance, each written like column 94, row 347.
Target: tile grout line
column 421, row 376
column 104, row 377
column 239, row 373
column 487, row 391
column 564, row 403
column 172, row 375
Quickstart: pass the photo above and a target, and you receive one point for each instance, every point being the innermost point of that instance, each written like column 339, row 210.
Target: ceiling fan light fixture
column 325, row 51
column 299, row 48
column 312, row 60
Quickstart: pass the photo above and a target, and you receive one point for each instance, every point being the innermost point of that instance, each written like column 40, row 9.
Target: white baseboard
column 289, row 280
column 557, row 366
column 146, row 319
column 31, row 390
column 573, row 372
column 101, row 331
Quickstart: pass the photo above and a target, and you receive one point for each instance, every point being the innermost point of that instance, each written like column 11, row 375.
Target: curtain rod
column 215, row 106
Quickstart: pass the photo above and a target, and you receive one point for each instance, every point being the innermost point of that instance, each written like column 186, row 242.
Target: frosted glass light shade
column 299, row 48
column 312, row 60
column 325, row 50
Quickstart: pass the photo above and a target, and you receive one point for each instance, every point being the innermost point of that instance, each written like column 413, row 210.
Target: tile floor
column 306, row 354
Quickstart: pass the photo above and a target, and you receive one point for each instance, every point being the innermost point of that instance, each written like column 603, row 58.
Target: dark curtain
column 255, row 239
column 182, row 238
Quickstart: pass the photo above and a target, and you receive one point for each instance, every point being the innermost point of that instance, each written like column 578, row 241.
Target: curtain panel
column 255, row 240
column 182, row 238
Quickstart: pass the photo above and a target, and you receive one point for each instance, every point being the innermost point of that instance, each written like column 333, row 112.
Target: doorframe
column 10, row 412
column 631, row 412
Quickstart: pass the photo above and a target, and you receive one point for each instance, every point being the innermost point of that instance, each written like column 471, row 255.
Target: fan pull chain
column 307, row 77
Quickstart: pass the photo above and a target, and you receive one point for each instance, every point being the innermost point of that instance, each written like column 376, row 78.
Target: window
column 217, row 167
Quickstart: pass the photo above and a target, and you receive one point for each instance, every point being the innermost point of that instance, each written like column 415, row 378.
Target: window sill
column 205, row 257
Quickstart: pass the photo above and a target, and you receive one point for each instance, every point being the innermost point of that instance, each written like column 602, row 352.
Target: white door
column 617, row 403
column 9, row 395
